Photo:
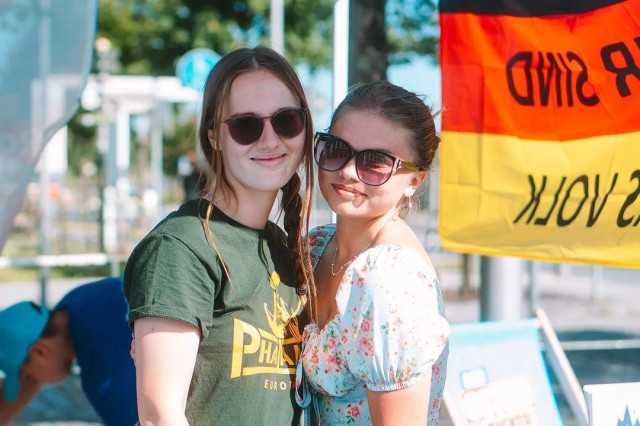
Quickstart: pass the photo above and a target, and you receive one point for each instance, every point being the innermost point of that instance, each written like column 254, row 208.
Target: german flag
column 541, row 129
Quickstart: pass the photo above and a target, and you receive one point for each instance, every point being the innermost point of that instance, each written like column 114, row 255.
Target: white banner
column 45, row 59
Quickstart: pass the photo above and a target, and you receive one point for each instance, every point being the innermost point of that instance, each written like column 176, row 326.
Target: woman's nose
column 348, row 172
column 269, row 137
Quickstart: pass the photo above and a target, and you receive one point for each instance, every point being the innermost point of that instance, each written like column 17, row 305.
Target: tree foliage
column 385, row 32
column 151, row 35
column 412, row 29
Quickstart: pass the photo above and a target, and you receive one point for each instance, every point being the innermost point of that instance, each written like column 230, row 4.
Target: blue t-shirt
column 102, row 339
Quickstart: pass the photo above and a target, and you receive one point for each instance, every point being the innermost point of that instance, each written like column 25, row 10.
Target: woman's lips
column 345, row 191
column 270, row 161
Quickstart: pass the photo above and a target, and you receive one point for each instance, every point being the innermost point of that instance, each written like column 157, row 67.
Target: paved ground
column 579, row 305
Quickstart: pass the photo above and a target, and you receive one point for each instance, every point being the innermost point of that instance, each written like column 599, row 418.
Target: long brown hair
column 402, row 107
column 296, row 207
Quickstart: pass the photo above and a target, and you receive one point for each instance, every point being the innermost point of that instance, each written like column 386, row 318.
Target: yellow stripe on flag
column 573, row 201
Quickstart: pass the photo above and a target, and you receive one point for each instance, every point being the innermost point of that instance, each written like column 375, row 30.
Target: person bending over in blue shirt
column 88, row 325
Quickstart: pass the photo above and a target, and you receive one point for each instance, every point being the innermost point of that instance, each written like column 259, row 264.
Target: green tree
column 151, row 35
column 388, row 31
column 81, row 140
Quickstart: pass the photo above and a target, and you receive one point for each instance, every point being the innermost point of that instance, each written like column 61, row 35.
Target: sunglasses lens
column 245, row 129
column 373, row 168
column 288, row 123
column 331, row 154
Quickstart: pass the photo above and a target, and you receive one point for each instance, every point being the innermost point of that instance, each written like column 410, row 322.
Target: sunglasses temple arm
column 409, row 166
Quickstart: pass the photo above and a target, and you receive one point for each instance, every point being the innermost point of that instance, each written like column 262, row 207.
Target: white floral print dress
column 389, row 332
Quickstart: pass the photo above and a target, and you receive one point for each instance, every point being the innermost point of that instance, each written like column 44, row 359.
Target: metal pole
column 562, row 368
column 156, row 158
column 597, row 273
column 340, row 55
column 465, row 289
column 277, row 26
column 45, row 227
column 103, row 149
column 340, row 50
column 41, row 120
column 110, row 195
column 123, row 160
column 534, row 291
column 500, row 288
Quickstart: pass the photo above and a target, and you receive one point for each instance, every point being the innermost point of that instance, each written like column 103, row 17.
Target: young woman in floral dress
column 376, row 349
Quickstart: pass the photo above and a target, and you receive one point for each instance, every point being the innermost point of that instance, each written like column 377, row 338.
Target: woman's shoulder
column 181, row 229
column 399, row 246
column 320, row 236
column 389, row 269
column 322, row 232
column 186, row 216
column 399, row 258
column 394, row 278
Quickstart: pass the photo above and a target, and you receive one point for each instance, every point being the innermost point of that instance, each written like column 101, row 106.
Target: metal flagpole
column 40, row 123
column 340, row 55
column 277, row 26
column 501, row 293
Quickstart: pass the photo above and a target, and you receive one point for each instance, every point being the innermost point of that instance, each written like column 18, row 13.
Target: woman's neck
column 353, row 234
column 250, row 209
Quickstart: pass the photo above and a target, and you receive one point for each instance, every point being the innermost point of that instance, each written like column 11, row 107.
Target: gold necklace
column 354, row 257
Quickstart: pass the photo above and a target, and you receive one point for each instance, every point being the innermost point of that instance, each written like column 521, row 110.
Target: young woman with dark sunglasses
column 375, row 351
column 216, row 290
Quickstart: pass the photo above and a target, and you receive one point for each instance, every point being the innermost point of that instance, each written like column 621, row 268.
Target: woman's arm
column 408, row 406
column 165, row 356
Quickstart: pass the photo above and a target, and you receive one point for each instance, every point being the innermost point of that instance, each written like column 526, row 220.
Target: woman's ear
column 417, row 179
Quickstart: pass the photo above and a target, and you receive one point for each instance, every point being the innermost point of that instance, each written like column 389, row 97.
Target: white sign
column 615, row 404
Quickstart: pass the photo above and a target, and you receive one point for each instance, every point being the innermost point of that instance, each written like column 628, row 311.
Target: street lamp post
column 277, row 25
column 107, row 64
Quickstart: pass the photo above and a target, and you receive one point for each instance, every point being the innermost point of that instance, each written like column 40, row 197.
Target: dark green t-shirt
column 247, row 356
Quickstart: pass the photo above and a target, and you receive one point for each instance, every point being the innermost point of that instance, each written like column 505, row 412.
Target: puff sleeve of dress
column 393, row 318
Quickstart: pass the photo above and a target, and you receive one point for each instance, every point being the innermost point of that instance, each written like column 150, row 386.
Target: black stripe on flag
column 524, row 8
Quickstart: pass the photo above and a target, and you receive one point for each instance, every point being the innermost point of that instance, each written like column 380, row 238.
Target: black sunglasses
column 246, row 129
column 373, row 167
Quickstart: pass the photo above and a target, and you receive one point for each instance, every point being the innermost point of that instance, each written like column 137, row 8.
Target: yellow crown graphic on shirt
column 273, row 351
